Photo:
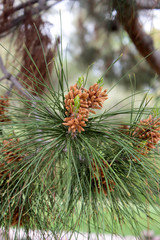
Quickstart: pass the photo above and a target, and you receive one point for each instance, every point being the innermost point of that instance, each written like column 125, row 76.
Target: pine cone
column 76, row 120
column 77, row 117
column 148, row 130
column 75, row 123
column 96, row 97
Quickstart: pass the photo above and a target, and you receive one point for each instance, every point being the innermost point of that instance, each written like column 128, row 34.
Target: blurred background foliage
column 100, row 37
column 98, row 32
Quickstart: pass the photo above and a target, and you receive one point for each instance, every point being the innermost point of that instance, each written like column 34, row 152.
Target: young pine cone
column 75, row 123
column 78, row 104
column 96, row 97
column 73, row 93
column 77, row 109
column 148, row 130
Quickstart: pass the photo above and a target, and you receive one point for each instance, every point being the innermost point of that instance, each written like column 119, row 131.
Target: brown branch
column 9, row 90
column 19, row 7
column 15, row 22
column 128, row 17
column 27, row 4
column 16, row 83
column 147, row 4
column 2, row 78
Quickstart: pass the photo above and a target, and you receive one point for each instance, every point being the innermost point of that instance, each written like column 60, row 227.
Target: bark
column 128, row 17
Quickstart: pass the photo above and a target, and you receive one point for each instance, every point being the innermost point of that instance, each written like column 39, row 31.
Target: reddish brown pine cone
column 76, row 120
column 75, row 123
column 148, row 130
column 99, row 180
column 4, row 103
column 96, row 97
column 69, row 99
column 78, row 103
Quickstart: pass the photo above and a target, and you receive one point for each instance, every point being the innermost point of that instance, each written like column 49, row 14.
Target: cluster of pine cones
column 79, row 102
column 148, row 132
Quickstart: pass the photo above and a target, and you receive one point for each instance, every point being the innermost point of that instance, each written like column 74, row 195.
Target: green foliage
column 59, row 181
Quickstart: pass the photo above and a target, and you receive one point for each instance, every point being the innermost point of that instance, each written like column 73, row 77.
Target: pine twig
column 9, row 90
column 16, row 83
column 2, row 78
column 15, row 22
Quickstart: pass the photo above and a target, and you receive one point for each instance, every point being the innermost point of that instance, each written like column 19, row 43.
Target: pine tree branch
column 9, row 90
column 21, row 6
column 27, row 7
column 2, row 78
column 128, row 17
column 147, row 4
column 14, row 81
